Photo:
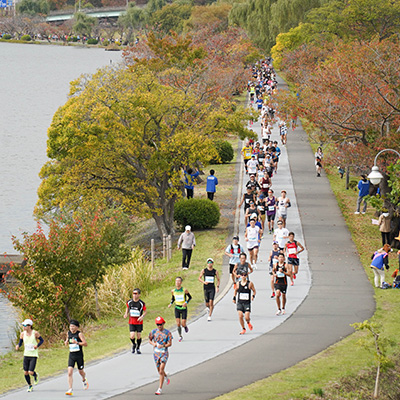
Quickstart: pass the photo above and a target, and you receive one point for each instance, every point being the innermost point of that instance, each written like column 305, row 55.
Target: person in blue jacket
column 212, row 183
column 190, row 180
column 363, row 187
column 380, row 260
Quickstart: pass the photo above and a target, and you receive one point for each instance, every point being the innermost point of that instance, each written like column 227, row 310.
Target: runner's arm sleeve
column 172, row 299
column 20, row 343
column 188, row 297
column 40, row 341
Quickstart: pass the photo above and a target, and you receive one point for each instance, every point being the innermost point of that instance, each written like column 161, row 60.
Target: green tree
column 379, row 345
column 60, row 265
column 134, row 17
column 33, row 7
column 83, row 24
column 124, row 137
column 171, row 17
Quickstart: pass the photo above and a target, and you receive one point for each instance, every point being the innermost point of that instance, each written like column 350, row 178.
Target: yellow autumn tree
column 123, row 138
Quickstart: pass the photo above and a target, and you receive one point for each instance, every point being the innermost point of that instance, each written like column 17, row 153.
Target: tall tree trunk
column 67, row 314
column 96, row 296
column 165, row 221
column 376, row 390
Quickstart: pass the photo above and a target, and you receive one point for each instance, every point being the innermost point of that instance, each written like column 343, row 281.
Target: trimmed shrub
column 92, row 41
column 6, row 36
column 225, row 152
column 26, row 38
column 105, row 42
column 198, row 213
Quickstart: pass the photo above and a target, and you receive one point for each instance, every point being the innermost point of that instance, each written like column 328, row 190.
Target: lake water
column 34, row 82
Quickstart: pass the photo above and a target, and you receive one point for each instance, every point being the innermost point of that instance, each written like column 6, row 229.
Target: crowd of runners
column 263, row 204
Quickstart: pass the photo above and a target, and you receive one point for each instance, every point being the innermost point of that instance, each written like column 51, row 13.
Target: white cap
column 254, row 215
column 28, row 322
column 188, row 228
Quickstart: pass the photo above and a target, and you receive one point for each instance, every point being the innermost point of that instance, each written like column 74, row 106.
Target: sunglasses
column 135, row 293
column 159, row 324
column 25, row 325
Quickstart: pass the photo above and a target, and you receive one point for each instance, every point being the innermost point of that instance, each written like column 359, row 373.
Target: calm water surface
column 34, row 82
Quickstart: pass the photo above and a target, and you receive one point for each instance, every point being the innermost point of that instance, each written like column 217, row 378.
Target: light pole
column 375, row 176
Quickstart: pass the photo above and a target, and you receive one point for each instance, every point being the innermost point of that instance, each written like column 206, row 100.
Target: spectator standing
column 212, row 183
column 190, row 180
column 363, row 187
column 187, row 242
column 384, row 226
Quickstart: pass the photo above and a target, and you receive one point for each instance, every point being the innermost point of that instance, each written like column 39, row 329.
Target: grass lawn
column 347, row 358
column 111, row 335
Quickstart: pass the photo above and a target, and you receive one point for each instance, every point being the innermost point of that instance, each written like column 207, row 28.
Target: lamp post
column 375, row 176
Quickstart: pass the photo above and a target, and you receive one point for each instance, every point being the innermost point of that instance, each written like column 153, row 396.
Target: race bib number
column 157, row 350
column 210, row 279
column 265, row 185
column 271, row 208
column 30, row 347
column 280, row 274
column 244, row 296
column 134, row 312
column 179, row 297
column 73, row 347
column 291, row 250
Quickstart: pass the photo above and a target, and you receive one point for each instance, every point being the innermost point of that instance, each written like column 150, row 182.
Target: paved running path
column 213, row 359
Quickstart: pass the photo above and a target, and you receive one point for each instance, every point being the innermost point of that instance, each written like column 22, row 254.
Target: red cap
column 160, row 320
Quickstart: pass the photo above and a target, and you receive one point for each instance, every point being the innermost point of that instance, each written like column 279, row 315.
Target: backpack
column 239, row 249
column 385, row 285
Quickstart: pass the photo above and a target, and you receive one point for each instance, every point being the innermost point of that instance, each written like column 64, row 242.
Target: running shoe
column 138, row 351
column 184, row 268
column 69, row 392
column 186, row 329
column 272, row 295
column 209, row 319
column 168, row 381
column 291, row 283
column 242, row 332
column 283, row 311
column 36, row 379
column 294, row 276
column 133, row 349
column 254, row 266
column 207, row 310
column 279, row 312
column 30, row 388
column 357, row 212
column 180, row 338
column 85, row 384
column 159, row 391
column 250, row 326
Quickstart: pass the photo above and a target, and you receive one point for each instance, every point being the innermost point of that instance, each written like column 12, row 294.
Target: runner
column 76, row 341
column 181, row 297
column 252, row 165
column 207, row 277
column 253, row 238
column 281, row 235
column 280, row 272
column 273, row 259
column 31, row 340
column 243, row 303
column 283, row 205
column 241, row 267
column 136, row 309
column 246, row 199
column 233, row 252
column 160, row 339
column 246, row 153
column 270, row 204
column 292, row 251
